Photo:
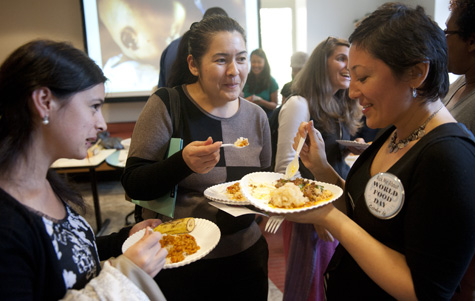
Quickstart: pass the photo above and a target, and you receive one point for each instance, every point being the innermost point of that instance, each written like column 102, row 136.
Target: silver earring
column 45, row 120
column 414, row 92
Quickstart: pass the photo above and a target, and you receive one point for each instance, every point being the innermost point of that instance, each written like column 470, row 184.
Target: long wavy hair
column 59, row 66
column 313, row 83
column 259, row 82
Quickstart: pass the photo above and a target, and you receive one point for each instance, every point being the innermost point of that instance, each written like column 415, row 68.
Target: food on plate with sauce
column 234, row 192
column 177, row 240
column 179, row 246
column 291, row 194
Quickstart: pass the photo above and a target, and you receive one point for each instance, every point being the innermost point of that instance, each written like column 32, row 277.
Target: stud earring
column 45, row 120
column 414, row 92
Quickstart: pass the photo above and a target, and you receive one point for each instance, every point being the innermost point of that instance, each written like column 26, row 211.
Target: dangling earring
column 45, row 120
column 414, row 92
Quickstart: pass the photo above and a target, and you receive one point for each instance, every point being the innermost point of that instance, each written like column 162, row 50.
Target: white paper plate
column 206, row 234
column 217, row 193
column 271, row 178
column 350, row 143
column 126, row 143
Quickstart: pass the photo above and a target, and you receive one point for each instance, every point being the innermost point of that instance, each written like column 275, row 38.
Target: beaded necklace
column 417, row 134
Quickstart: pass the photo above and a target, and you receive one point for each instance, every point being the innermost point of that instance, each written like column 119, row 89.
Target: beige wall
column 25, row 20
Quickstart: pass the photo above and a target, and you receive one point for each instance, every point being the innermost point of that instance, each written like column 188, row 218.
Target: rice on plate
column 271, row 192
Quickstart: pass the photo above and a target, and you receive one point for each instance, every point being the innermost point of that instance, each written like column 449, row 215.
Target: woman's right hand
column 313, row 153
column 147, row 253
column 202, row 156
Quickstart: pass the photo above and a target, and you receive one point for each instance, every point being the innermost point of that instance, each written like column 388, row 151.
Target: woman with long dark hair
column 50, row 108
column 261, row 88
column 210, row 80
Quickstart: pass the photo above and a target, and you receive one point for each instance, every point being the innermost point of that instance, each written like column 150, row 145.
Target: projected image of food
column 126, row 38
column 130, row 60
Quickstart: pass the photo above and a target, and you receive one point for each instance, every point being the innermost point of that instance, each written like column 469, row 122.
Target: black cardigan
column 29, row 268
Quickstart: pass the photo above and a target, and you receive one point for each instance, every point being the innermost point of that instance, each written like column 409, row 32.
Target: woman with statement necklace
column 405, row 225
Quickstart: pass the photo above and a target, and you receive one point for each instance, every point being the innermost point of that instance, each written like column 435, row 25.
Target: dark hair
column 466, row 17
column 196, row 42
column 58, row 66
column 212, row 11
column 402, row 37
column 178, row 74
column 259, row 82
column 313, row 83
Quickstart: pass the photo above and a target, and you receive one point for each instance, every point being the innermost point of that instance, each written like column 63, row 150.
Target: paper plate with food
column 271, row 192
column 187, row 240
column 227, row 193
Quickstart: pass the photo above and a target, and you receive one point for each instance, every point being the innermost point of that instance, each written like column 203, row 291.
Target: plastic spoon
column 230, row 144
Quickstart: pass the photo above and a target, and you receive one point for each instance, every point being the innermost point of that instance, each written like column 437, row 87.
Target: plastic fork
column 232, row 145
column 293, row 166
column 274, row 223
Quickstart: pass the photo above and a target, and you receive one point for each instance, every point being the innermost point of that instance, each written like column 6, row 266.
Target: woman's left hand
column 323, row 233
column 315, row 217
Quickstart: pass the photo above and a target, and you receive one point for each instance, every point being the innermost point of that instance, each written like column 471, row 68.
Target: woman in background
column 460, row 36
column 212, row 113
column 408, row 192
column 261, row 88
column 460, row 100
column 52, row 95
column 320, row 94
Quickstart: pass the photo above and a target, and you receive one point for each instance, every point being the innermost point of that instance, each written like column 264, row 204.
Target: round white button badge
column 384, row 195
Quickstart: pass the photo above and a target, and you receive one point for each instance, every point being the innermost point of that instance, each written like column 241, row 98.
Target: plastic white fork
column 293, row 166
column 274, row 223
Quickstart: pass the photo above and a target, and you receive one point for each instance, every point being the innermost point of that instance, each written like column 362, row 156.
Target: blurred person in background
column 261, row 88
column 460, row 100
column 297, row 61
column 320, row 94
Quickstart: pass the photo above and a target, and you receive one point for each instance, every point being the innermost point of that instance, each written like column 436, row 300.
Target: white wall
column 335, row 18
